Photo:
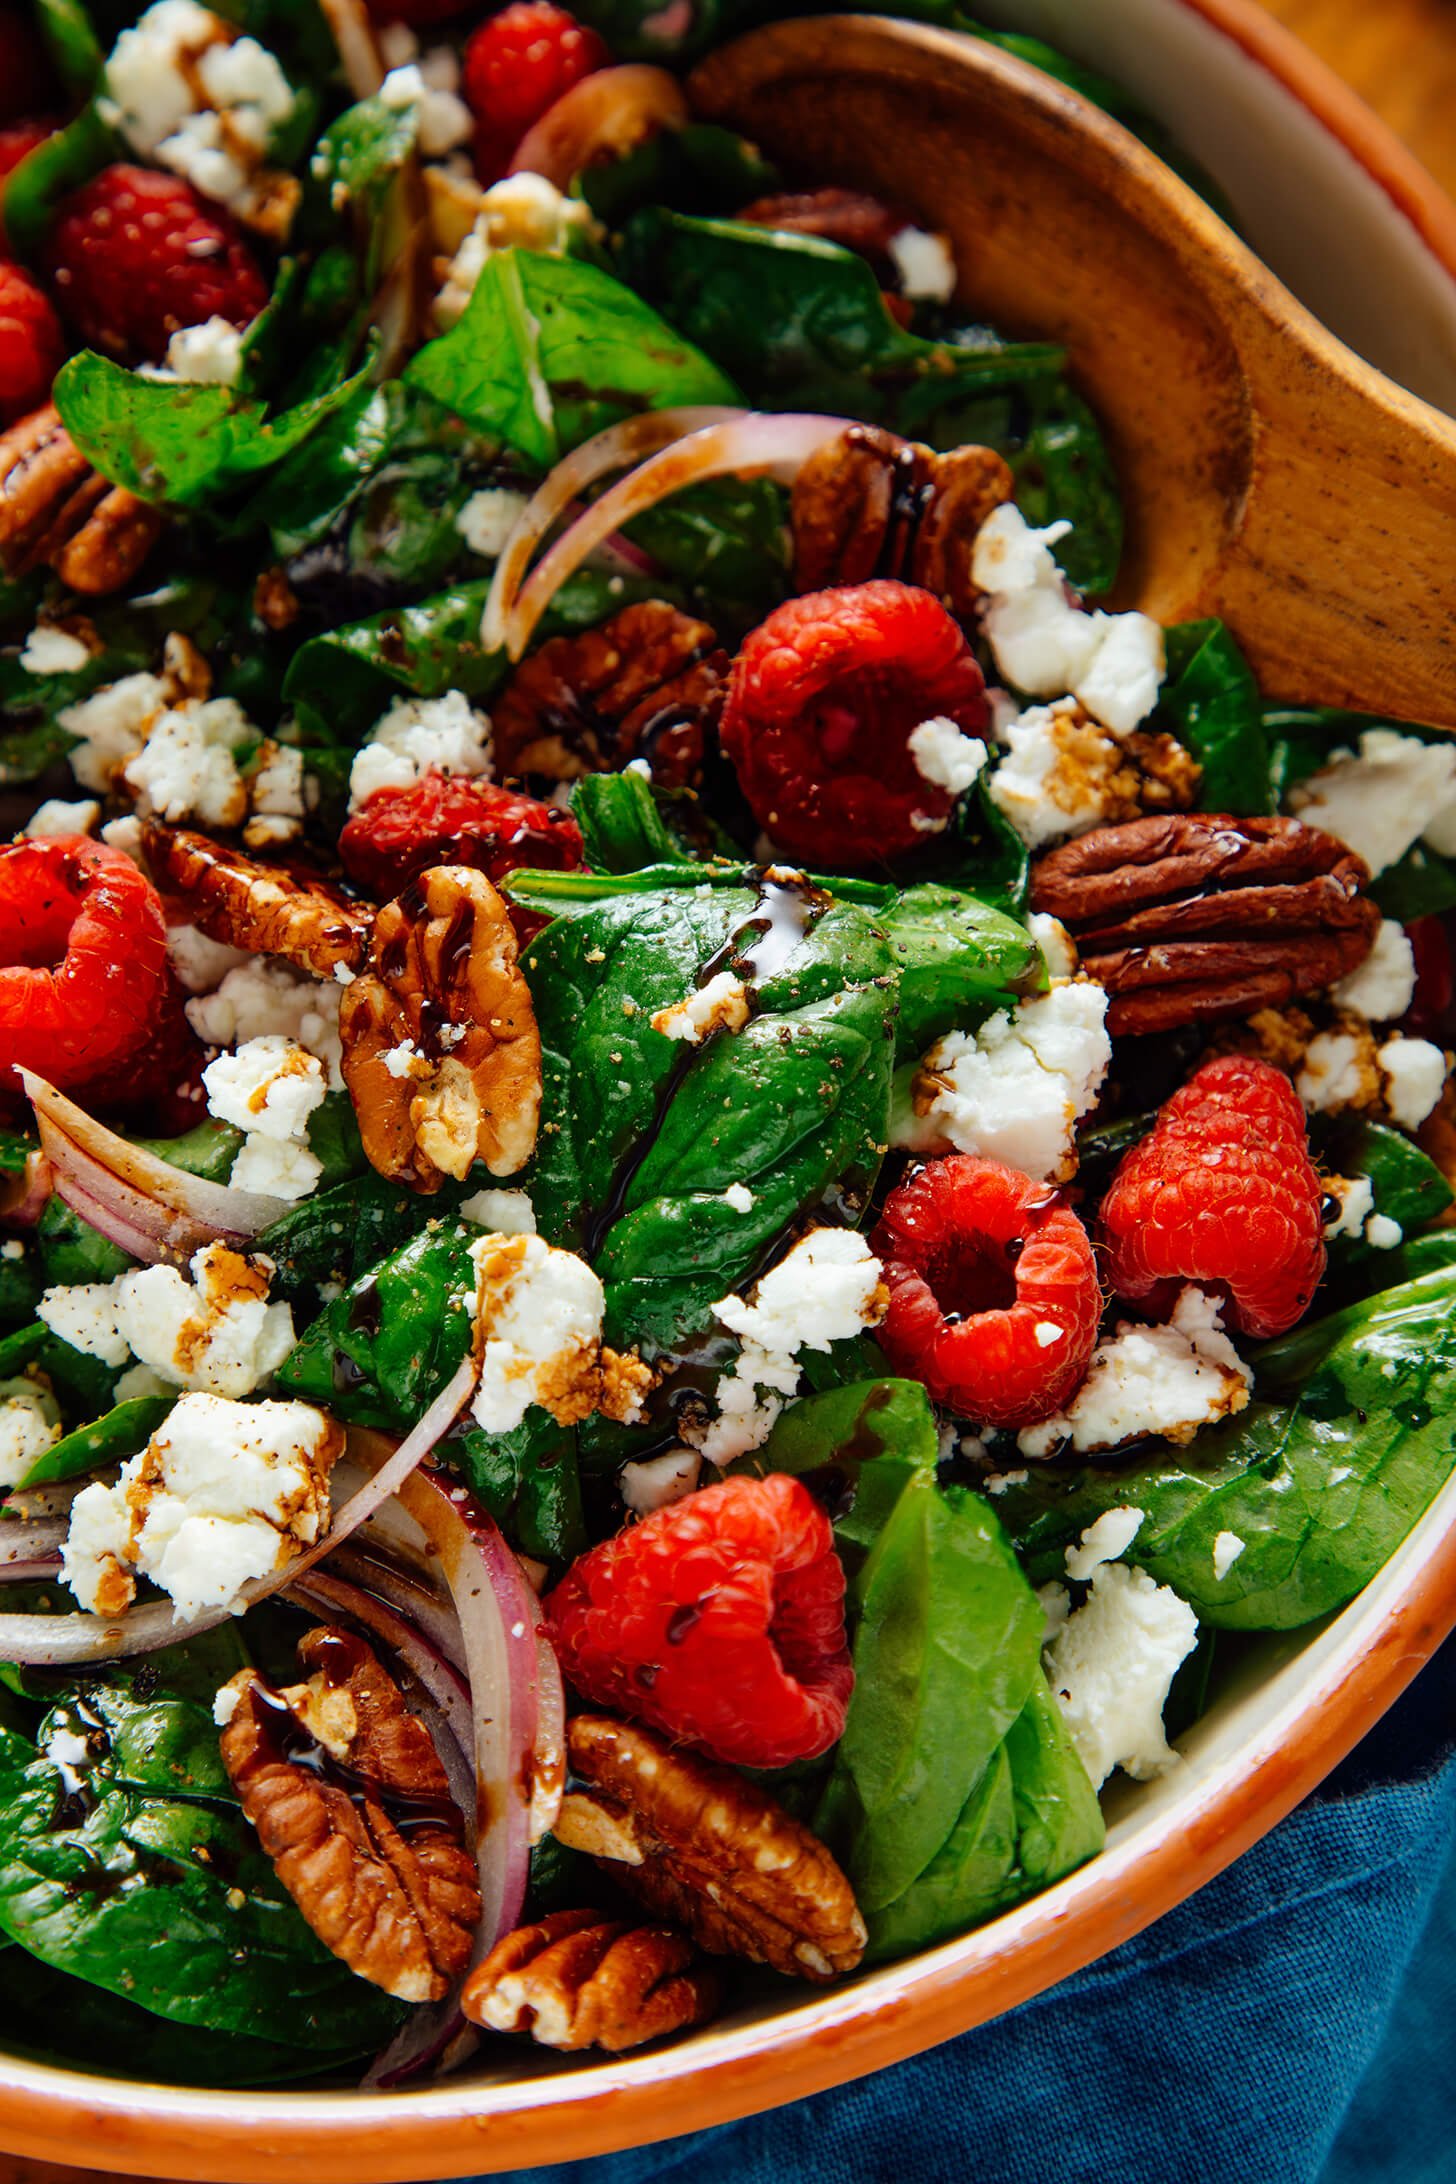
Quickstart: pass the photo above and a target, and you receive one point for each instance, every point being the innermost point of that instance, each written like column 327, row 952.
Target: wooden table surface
column 1400, row 55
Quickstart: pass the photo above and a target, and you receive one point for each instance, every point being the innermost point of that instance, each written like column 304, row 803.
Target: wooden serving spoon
column 1269, row 475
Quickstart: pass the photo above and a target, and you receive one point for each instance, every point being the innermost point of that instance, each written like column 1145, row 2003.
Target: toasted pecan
column 578, row 1980
column 870, row 505
column 648, row 683
column 353, row 1806
column 442, row 1056
column 56, row 509
column 703, row 1845
column 851, row 218
column 234, row 898
column 1190, row 916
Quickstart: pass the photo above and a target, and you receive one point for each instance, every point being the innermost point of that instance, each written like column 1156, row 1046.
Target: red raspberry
column 84, row 942
column 31, row 344
column 159, row 1088
column 518, row 64
column 719, row 1621
column 444, row 819
column 822, row 701
column 16, row 143
column 994, row 1300
column 26, row 77
column 134, row 255
column 1223, row 1192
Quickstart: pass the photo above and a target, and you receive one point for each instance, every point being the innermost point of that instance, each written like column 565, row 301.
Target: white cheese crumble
column 224, row 1493
column 419, row 736
column 1355, row 1200
column 109, row 726
column 30, row 1423
column 739, row 1197
column 1043, row 642
column 1167, row 1381
column 924, row 263
column 51, row 651
column 660, row 1481
column 1107, row 1539
column 1381, row 800
column 405, row 1060
column 488, row 518
column 1015, row 1089
column 209, row 355
column 504, row 1213
column 1058, row 949
column 1413, row 1075
column 1227, row 1548
column 523, row 211
column 946, row 757
column 226, row 1704
column 1333, row 1074
column 1111, row 1665
column 187, row 768
column 826, row 1288
column 538, row 1316
column 189, row 95
column 262, row 996
column 218, row 1333
column 55, row 816
column 201, row 964
column 1057, row 772
column 1383, row 1233
column 721, row 1005
column 268, row 1089
column 1384, row 985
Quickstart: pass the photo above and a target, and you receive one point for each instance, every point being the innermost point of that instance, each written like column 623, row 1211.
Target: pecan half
column 55, row 509
column 709, row 1848
column 648, row 683
column 851, row 218
column 441, row 1052
column 578, row 1980
column 868, row 505
column 1197, row 916
column 232, row 897
column 351, row 1803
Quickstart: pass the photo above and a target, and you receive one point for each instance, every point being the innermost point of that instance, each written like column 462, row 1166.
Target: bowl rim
column 1369, row 1654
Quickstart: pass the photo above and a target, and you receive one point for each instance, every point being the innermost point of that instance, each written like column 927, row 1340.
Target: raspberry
column 518, row 64
column 719, row 1620
column 16, row 143
column 994, row 1299
column 134, row 255
column 84, row 942
column 444, row 819
column 31, row 344
column 1222, row 1192
column 822, row 700
column 160, row 1085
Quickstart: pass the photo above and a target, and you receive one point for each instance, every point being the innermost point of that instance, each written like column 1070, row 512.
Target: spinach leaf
column 207, row 1150
column 700, row 168
column 959, row 957
column 1032, row 1816
column 946, row 1656
column 72, row 1251
column 107, row 1440
column 21, row 1284
column 550, row 350
column 73, row 45
column 126, row 1871
column 333, row 1138
column 726, row 544
column 1352, row 1431
column 800, row 323
column 652, row 1131
column 621, row 827
column 859, row 1445
column 1408, row 1187
column 179, row 443
column 527, row 1479
column 1211, row 702
column 354, row 167
column 1422, row 884
column 379, row 1354
column 337, row 1234
column 58, row 165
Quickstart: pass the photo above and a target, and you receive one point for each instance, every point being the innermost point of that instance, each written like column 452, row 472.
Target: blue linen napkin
column 1292, row 2024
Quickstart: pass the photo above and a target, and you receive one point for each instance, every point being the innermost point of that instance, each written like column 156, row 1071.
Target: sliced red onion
column 59, row 1641
column 22, row 1543
column 430, row 2043
column 31, row 1573
column 410, row 1598
column 178, row 1213
column 619, row 447
column 498, row 1624
column 548, row 1778
column 24, row 1197
column 750, row 446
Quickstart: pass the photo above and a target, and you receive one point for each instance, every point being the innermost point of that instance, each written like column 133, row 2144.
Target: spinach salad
column 704, row 1185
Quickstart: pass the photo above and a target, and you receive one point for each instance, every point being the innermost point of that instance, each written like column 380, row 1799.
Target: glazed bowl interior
column 1286, row 1707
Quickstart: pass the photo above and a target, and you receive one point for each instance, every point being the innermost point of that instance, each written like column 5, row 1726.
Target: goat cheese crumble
column 1413, row 1074
column 30, row 1423
column 523, row 211
column 419, row 736
column 538, row 1315
column 1111, row 1665
column 1015, row 1089
column 1166, row 1380
column 946, row 757
column 660, row 1480
column 1227, row 1547
column 488, row 518
column 55, row 816
column 217, row 1333
column 209, row 355
column 1384, row 985
column 1380, row 800
column 268, row 1089
column 924, row 263
column 504, row 1213
column 187, row 767
column 223, row 1494
column 52, row 651
column 189, row 94
column 721, row 1005
column 264, row 997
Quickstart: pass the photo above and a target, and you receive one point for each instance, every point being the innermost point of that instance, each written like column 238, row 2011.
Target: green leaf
column 654, row 1131
column 72, row 1251
column 179, row 443
column 1422, row 884
column 73, row 45
column 550, row 350
column 726, row 543
column 1060, row 463
column 354, row 170
column 338, row 1234
column 1408, row 1187
column 528, row 1481
column 621, row 828
column 380, row 1353
column 946, row 1655
column 1352, row 1432
column 1211, row 702
column 860, row 1445
column 107, row 1440
column 958, row 958
column 207, row 1150
column 136, row 1871
column 56, row 167
column 700, row 168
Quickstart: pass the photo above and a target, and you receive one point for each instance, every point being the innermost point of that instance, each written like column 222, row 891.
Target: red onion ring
column 24, row 1197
